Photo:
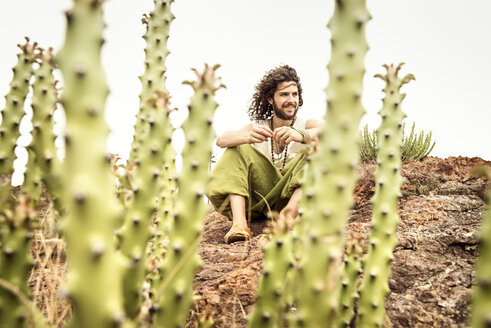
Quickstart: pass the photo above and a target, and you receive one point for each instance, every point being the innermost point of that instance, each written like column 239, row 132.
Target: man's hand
column 284, row 135
column 259, row 133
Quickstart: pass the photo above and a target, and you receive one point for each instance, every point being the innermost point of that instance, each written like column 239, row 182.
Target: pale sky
column 446, row 44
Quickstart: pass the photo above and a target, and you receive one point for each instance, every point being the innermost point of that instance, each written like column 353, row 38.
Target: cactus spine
column 175, row 294
column 481, row 295
column 331, row 196
column 153, row 133
column 92, row 208
column 153, row 79
column 385, row 219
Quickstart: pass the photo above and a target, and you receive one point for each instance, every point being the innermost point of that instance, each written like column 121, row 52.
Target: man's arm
column 248, row 134
column 313, row 128
column 284, row 135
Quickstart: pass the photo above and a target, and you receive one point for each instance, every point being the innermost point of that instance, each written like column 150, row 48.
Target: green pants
column 245, row 171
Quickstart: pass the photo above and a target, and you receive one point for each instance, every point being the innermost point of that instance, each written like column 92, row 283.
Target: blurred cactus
column 16, row 226
column 153, row 79
column 385, row 219
column 43, row 165
column 175, row 293
column 273, row 285
column 142, row 206
column 89, row 187
column 327, row 203
column 349, row 284
column 481, row 294
column 13, row 111
column 153, row 134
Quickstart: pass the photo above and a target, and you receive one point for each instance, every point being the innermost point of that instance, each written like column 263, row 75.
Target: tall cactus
column 147, row 184
column 481, row 294
column 175, row 294
column 44, row 100
column 15, row 215
column 331, row 197
column 385, row 219
column 92, row 208
column 14, row 105
column 153, row 132
column 43, row 165
column 153, row 79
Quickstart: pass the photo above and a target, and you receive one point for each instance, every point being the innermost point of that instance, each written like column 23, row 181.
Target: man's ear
column 270, row 100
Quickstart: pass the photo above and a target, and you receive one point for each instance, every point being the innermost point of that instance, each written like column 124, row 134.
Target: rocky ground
column 432, row 271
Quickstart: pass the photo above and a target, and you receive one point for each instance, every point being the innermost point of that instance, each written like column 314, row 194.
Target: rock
column 432, row 271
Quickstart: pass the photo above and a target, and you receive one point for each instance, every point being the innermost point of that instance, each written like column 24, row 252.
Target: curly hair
column 260, row 108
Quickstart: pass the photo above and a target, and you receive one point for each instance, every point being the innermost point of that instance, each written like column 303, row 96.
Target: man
column 261, row 170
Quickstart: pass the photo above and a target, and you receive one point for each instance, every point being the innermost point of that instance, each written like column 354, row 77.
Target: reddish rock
column 432, row 272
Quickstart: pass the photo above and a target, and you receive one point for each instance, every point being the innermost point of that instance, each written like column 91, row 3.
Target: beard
column 280, row 113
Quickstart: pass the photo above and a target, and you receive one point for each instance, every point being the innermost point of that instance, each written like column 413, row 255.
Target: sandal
column 237, row 233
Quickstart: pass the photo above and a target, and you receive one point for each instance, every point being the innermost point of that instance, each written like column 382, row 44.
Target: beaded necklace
column 285, row 152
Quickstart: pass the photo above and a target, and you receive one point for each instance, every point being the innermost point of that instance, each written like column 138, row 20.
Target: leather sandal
column 237, row 233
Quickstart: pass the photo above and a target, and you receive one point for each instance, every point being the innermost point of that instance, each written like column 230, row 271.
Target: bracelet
column 305, row 135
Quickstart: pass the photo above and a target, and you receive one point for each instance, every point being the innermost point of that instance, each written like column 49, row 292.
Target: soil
column 441, row 209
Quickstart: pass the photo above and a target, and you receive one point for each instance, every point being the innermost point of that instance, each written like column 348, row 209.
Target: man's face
column 285, row 100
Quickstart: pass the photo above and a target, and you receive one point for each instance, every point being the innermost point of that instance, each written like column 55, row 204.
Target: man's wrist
column 304, row 134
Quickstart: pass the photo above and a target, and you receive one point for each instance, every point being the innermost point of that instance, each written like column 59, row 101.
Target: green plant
column 385, row 219
column 13, row 111
column 327, row 203
column 416, row 146
column 89, row 189
column 153, row 134
column 175, row 294
column 272, row 287
column 43, row 165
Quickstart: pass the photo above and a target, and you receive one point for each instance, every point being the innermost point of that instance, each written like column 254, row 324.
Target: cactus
column 385, row 219
column 43, row 163
column 331, row 197
column 175, row 294
column 14, row 105
column 44, row 100
column 33, row 183
column 153, row 79
column 142, row 206
column 481, row 293
column 272, row 287
column 164, row 216
column 349, row 289
column 416, row 146
column 92, row 207
column 153, row 133
column 16, row 225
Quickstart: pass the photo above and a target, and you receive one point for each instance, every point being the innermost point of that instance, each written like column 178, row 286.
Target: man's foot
column 237, row 233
